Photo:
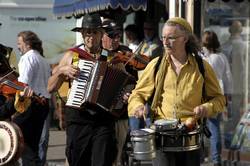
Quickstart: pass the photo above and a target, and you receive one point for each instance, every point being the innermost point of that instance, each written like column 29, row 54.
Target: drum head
column 142, row 132
column 166, row 124
column 165, row 121
column 8, row 142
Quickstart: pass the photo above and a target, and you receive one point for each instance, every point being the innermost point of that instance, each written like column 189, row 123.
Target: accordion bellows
column 98, row 83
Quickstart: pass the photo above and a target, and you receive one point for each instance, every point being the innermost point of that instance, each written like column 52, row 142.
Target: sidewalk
column 56, row 150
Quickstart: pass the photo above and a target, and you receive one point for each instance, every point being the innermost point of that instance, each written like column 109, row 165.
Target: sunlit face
column 92, row 38
column 111, row 42
column 22, row 47
column 173, row 39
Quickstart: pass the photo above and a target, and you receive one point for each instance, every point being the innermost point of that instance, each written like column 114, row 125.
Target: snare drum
column 165, row 124
column 11, row 142
column 174, row 141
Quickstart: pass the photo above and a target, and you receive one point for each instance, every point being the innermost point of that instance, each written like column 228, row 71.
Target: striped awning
column 68, row 8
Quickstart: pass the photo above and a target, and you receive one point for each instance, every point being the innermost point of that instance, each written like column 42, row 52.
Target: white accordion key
column 79, row 87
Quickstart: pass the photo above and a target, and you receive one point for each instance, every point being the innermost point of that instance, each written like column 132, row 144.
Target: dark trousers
column 189, row 158
column 31, row 123
column 90, row 144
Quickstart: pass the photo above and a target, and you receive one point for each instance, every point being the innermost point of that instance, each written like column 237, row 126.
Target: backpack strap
column 202, row 71
column 203, row 122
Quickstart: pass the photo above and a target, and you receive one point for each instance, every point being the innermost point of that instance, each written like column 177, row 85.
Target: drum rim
column 11, row 126
column 189, row 133
column 173, row 121
column 142, row 132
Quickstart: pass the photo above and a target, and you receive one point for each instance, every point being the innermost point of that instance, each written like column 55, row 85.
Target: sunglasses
column 114, row 35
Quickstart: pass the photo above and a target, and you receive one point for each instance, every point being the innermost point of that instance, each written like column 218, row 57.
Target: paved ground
column 56, row 150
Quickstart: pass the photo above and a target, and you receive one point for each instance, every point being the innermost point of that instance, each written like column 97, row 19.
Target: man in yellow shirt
column 177, row 87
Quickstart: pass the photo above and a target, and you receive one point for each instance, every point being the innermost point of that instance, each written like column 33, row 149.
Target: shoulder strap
column 200, row 64
column 202, row 71
column 81, row 53
column 205, row 130
column 157, row 65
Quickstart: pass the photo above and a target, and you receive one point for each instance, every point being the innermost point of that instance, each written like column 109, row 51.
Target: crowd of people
column 165, row 82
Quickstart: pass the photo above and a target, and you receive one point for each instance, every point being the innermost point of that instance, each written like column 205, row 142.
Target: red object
column 10, row 79
column 8, row 90
column 82, row 54
column 138, row 61
column 190, row 123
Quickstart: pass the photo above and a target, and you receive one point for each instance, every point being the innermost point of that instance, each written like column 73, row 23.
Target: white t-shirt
column 35, row 71
column 221, row 67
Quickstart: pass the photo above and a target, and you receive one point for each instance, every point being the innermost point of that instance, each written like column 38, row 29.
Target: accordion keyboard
column 79, row 88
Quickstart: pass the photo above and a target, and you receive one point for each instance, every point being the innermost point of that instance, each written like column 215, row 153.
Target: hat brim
column 76, row 29
column 113, row 32
column 79, row 29
column 110, row 30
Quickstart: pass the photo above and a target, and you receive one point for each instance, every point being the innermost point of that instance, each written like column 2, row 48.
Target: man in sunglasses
column 89, row 129
column 119, row 54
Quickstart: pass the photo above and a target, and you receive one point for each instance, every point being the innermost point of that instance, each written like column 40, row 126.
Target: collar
column 190, row 59
column 31, row 51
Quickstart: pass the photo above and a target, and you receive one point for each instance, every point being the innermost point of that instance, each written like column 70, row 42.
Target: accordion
column 98, row 83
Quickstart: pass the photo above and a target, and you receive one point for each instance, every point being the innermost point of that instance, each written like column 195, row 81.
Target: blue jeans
column 135, row 123
column 215, row 139
column 44, row 140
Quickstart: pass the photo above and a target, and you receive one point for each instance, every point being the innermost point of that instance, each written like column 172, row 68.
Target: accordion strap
column 81, row 53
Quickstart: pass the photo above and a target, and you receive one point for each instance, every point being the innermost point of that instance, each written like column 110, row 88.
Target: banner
column 54, row 33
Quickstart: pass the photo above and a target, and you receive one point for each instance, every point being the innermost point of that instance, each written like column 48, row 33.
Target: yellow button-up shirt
column 181, row 93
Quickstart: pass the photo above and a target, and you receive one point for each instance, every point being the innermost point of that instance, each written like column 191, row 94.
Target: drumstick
column 144, row 115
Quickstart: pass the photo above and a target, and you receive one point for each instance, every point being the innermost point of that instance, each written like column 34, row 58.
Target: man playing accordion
column 89, row 128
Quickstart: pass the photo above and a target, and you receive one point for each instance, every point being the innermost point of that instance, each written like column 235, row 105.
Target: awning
column 69, row 8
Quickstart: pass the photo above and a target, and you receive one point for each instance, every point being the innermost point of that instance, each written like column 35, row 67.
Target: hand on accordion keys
column 70, row 71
